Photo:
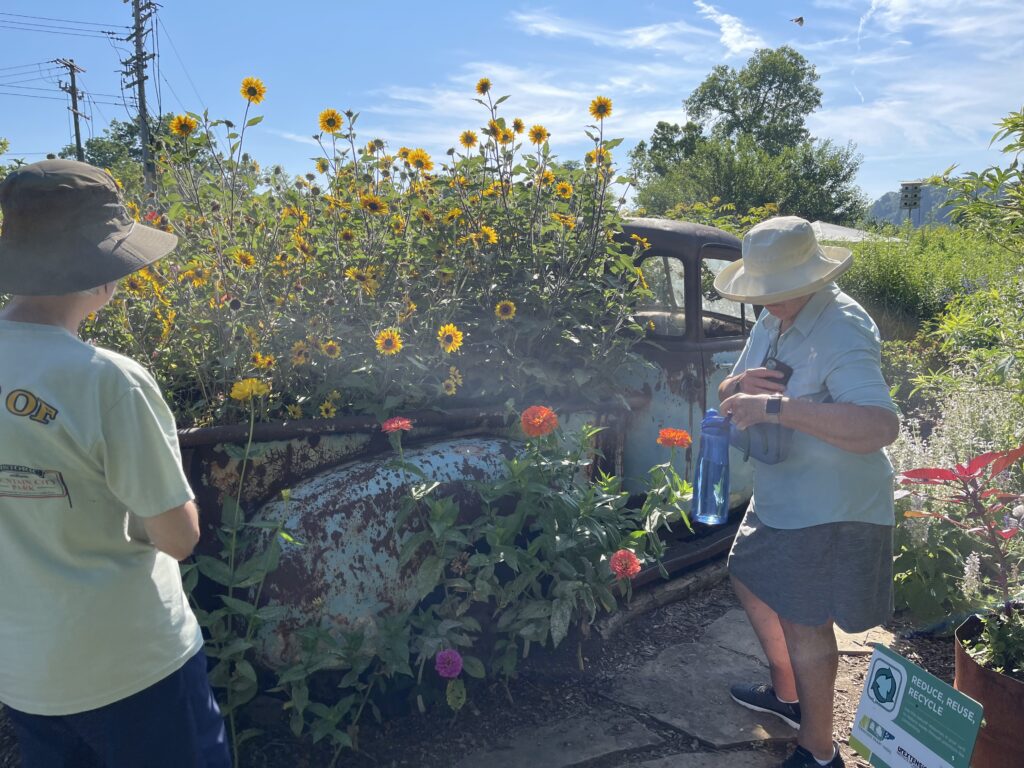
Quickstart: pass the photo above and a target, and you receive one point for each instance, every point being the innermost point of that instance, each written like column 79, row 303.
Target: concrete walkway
column 683, row 691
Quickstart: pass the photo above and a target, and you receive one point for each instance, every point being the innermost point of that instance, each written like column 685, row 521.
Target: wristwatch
column 773, row 408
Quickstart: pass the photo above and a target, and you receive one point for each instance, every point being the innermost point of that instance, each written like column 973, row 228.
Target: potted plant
column 979, row 499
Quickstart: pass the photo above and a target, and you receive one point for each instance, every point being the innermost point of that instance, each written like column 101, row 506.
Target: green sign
column 908, row 717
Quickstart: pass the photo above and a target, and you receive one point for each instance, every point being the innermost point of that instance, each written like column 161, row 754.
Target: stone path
column 684, row 690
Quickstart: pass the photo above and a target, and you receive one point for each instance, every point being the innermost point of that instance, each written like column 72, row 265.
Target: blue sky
column 916, row 84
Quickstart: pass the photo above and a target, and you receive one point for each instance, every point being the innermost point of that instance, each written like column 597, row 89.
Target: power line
column 5, row 25
column 53, row 98
column 66, row 21
column 37, row 88
column 25, row 66
column 180, row 61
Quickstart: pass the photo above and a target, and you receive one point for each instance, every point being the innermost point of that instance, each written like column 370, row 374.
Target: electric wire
column 184, row 69
column 6, row 25
column 65, row 21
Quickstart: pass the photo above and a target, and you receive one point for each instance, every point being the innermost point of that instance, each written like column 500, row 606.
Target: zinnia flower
column 600, row 108
column 448, row 662
column 331, row 121
column 449, row 337
column 389, row 341
column 538, row 420
column 674, row 438
column 247, row 389
column 468, row 139
column 539, row 134
column 563, row 189
column 483, row 86
column 183, row 125
column 624, row 564
column 253, row 90
column 395, row 424
column 505, row 310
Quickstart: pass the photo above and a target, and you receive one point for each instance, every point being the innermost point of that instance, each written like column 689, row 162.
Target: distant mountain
column 932, row 211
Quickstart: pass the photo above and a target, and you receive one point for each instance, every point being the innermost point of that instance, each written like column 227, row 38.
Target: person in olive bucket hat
column 815, row 547
column 99, row 649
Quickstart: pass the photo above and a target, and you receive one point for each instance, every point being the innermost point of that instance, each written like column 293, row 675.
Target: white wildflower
column 972, row 575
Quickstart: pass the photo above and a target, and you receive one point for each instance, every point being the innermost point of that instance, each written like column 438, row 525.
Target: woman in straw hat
column 815, row 547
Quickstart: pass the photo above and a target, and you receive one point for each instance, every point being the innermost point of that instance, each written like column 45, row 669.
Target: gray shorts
column 838, row 571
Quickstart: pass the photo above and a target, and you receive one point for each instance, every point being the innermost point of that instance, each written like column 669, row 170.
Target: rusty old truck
column 344, row 493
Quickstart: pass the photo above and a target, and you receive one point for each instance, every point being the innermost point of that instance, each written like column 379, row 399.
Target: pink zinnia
column 448, row 663
column 624, row 564
column 396, row 423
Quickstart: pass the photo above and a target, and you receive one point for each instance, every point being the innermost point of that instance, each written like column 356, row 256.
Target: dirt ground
column 550, row 688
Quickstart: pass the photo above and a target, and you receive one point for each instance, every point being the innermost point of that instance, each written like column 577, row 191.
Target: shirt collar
column 810, row 313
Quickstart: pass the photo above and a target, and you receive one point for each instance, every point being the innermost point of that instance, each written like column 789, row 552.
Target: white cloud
column 736, row 37
column 669, row 36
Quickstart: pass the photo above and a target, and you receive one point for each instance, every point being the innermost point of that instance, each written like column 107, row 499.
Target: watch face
column 774, row 405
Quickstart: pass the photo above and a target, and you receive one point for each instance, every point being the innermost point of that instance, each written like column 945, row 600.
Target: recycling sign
column 908, row 717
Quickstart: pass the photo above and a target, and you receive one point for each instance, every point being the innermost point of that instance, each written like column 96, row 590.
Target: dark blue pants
column 174, row 723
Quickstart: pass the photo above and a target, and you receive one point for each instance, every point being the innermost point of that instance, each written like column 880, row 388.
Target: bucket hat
column 781, row 260
column 65, row 229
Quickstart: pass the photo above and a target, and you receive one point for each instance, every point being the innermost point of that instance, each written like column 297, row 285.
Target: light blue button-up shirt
column 834, row 349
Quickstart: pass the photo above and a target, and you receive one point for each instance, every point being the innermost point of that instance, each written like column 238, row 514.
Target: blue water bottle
column 711, row 488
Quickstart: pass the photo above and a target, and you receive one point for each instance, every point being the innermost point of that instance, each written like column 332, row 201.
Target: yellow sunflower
column 246, row 389
column 366, row 279
column 328, row 409
column 294, row 411
column 263, row 362
column 300, row 353
column 452, row 215
column 545, row 178
column 505, row 136
column 373, row 204
column 468, row 139
column 539, row 134
column 505, row 310
column 331, row 349
column 253, row 90
column 388, row 341
column 563, row 189
column 183, row 125
column 449, row 387
column 598, row 155
column 408, row 311
column 403, row 152
column 489, row 233
column 322, row 164
column 600, row 108
column 244, row 259
column 347, row 235
column 518, row 125
column 331, row 121
column 425, row 215
column 420, row 160
column 483, row 86
column 449, row 337
column 565, row 221
column 455, row 375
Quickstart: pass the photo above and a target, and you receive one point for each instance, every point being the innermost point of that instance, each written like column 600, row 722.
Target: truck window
column 664, row 313
column 719, row 316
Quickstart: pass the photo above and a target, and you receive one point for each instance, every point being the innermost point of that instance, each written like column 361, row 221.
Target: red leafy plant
column 972, row 500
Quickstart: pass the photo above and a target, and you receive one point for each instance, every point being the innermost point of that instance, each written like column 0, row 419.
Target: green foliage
column 768, row 100
column 670, row 145
column 903, row 363
column 1001, row 644
column 724, row 216
column 119, row 150
column 922, row 271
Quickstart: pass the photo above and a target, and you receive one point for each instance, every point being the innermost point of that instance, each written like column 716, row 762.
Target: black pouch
column 767, row 443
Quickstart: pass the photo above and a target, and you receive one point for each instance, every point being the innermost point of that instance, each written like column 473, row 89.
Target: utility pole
column 135, row 67
column 72, row 89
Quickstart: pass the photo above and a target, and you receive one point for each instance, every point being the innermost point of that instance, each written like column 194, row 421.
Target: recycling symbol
column 883, row 686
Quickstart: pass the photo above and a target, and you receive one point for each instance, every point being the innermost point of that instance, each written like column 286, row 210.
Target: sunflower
column 408, row 311
column 489, row 233
column 420, row 160
column 244, row 259
column 518, row 125
column 483, row 86
column 539, row 134
column 183, row 125
column 347, row 235
column 253, row 90
column 263, row 362
column 403, row 152
column 323, row 164
column 505, row 310
column 505, row 136
column 294, row 411
column 425, row 215
column 328, row 409
column 449, row 337
column 643, row 242
column 331, row 349
column 600, row 108
column 246, row 389
column 598, row 155
column 366, row 279
column 565, row 221
column 388, row 341
column 545, row 177
column 468, row 139
column 455, row 375
column 373, row 204
column 452, row 215
column 563, row 189
column 449, row 387
column 300, row 353
column 331, row 121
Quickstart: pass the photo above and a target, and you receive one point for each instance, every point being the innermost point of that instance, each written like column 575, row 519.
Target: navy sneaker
column 801, row 758
column 762, row 698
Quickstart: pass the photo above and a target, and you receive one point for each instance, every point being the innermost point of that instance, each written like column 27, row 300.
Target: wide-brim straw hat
column 781, row 260
column 65, row 229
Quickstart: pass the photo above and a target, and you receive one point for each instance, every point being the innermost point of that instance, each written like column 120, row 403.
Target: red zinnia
column 538, row 420
column 396, row 423
column 624, row 564
column 675, row 438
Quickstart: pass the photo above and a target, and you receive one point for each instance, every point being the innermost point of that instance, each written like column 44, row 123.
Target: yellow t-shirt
column 88, row 615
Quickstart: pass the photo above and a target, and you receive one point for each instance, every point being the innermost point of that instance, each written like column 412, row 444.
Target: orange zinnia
column 675, row 438
column 538, row 420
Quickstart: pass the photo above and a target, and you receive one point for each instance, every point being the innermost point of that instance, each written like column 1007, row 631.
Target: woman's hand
column 746, row 410
column 754, row 381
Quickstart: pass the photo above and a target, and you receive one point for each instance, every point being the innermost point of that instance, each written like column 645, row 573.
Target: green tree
column 670, row 145
column 119, row 148
column 769, row 99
